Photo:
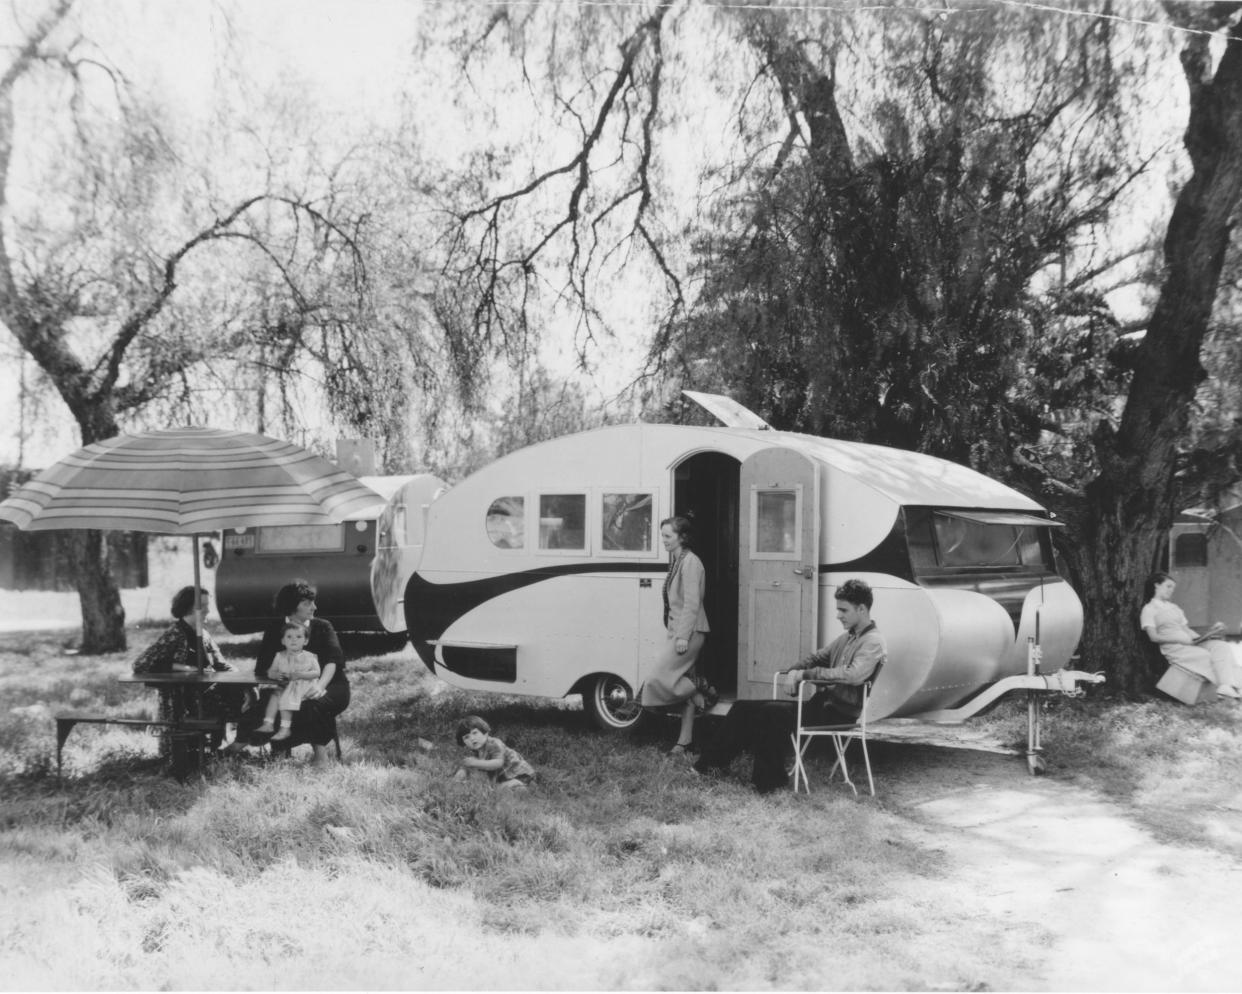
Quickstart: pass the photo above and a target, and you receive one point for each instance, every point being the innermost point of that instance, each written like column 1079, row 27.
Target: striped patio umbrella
column 187, row 481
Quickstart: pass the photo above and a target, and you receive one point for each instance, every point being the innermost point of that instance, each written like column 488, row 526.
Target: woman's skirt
column 670, row 681
column 1213, row 660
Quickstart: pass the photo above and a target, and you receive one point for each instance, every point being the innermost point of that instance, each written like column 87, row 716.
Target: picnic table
column 188, row 729
column 190, row 686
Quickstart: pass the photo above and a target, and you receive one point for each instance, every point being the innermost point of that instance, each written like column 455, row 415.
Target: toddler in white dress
column 301, row 669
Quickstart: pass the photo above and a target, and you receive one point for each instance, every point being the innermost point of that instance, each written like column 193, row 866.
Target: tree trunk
column 1110, row 563
column 1130, row 505
column 103, row 618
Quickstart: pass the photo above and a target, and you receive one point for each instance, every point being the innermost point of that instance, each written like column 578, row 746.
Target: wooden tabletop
column 236, row 678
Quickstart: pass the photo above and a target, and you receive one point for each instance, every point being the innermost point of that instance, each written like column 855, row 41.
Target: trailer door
column 778, row 588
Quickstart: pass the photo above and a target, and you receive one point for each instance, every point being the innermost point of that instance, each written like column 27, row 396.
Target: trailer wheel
column 611, row 703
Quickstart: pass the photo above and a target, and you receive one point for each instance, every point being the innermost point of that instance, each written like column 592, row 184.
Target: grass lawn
column 620, row 870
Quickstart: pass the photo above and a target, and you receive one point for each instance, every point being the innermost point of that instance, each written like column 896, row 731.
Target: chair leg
column 867, row 763
column 799, row 770
column 841, row 745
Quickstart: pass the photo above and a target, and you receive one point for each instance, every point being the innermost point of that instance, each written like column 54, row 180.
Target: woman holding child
column 326, row 696
column 1165, row 624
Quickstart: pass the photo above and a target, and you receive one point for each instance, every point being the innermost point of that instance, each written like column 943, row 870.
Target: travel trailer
column 338, row 559
column 541, row 573
column 1205, row 558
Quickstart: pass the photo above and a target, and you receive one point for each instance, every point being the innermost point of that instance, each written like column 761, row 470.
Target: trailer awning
column 1016, row 518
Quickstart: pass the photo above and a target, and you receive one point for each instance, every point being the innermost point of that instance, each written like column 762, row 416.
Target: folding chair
column 841, row 736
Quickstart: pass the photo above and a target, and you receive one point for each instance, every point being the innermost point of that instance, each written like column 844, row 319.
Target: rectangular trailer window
column 978, row 540
column 970, row 543
column 1190, row 549
column 626, row 522
column 562, row 522
column 301, row 538
column 1029, row 547
column 962, row 541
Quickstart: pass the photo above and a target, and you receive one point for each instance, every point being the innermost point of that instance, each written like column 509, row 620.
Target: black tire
column 611, row 704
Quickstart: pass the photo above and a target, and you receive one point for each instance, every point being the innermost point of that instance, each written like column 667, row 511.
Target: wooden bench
column 66, row 720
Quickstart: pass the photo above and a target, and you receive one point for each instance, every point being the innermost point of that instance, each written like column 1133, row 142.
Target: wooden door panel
column 778, row 586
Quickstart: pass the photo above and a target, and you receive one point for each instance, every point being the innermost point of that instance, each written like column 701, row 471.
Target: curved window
column 506, row 522
column 1190, row 549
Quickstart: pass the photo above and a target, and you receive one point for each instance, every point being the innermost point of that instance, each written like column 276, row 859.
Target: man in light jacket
column 765, row 727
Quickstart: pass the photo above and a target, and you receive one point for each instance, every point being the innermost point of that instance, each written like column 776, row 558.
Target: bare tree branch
column 490, row 267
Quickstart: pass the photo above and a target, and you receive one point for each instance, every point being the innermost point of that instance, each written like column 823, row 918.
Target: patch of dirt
column 1113, row 908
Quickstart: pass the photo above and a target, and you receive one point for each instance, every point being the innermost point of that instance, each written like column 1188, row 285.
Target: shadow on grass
column 118, row 786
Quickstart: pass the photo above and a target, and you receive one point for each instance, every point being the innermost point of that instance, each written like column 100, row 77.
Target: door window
column 776, row 524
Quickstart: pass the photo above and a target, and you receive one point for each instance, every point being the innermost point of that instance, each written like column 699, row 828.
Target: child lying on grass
column 489, row 756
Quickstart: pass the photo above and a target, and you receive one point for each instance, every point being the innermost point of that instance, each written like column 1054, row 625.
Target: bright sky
column 349, row 57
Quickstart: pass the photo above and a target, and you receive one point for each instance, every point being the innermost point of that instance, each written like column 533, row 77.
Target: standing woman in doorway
column 672, row 682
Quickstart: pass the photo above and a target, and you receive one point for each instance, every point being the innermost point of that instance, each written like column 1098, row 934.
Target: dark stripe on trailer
column 431, row 608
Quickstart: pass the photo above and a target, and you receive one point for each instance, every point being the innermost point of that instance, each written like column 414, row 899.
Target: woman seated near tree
column 1165, row 624
column 315, row 721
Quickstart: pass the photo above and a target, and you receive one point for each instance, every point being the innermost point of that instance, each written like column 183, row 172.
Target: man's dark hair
column 856, row 592
column 291, row 595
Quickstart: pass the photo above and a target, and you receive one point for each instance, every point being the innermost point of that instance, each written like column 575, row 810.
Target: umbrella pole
column 198, row 612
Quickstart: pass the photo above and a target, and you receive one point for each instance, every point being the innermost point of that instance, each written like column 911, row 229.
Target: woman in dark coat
column 316, row 721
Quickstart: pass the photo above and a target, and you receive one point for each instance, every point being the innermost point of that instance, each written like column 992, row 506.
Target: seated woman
column 177, row 651
column 1165, row 624
column 315, row 721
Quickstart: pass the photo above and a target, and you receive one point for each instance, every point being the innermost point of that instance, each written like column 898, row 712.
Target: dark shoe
column 705, row 697
column 707, row 769
column 701, row 703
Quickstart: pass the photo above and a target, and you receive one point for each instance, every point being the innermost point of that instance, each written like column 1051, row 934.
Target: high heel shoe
column 681, row 749
column 705, row 698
